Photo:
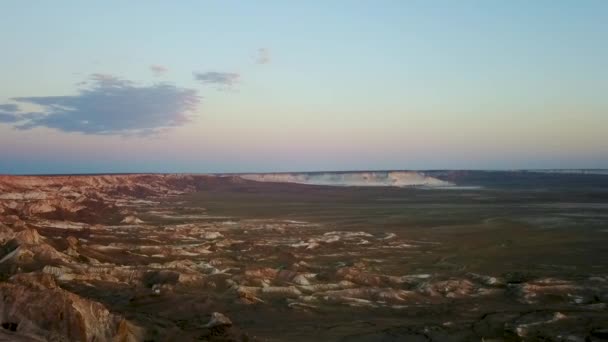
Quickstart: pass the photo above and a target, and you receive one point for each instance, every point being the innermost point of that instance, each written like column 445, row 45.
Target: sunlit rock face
column 368, row 178
column 34, row 305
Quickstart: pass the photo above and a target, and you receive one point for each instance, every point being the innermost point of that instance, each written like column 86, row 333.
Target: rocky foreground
column 122, row 258
column 37, row 269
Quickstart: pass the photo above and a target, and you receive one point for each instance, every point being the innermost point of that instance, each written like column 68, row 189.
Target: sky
column 268, row 86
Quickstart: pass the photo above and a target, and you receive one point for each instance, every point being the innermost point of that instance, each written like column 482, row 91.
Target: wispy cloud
column 110, row 105
column 228, row 79
column 9, row 107
column 158, row 70
column 8, row 118
column 8, row 113
column 263, row 56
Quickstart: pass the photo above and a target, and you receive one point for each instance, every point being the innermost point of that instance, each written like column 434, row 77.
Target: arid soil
column 193, row 257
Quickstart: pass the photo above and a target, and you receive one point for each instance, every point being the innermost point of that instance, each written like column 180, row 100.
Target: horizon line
column 577, row 170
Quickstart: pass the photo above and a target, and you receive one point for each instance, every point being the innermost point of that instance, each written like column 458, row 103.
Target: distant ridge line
column 569, row 170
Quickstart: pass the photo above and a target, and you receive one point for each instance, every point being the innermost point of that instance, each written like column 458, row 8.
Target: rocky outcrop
column 87, row 198
column 131, row 220
column 26, row 248
column 33, row 305
column 52, row 205
column 218, row 320
column 220, row 328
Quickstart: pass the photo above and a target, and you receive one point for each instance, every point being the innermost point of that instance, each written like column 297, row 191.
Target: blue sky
column 210, row 86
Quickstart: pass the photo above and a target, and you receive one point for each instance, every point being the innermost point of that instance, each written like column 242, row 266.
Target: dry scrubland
column 193, row 257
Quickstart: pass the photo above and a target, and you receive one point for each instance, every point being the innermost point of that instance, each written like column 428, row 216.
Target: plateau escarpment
column 363, row 178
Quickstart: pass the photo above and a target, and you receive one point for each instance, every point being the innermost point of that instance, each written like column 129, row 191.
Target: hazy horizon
column 598, row 171
column 124, row 87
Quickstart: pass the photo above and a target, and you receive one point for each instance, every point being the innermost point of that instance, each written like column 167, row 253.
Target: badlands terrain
column 347, row 256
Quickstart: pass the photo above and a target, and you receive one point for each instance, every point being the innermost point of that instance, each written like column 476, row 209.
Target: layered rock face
column 136, row 185
column 37, row 270
column 367, row 178
column 82, row 198
column 33, row 305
